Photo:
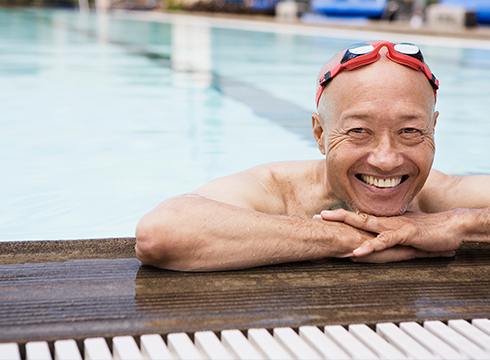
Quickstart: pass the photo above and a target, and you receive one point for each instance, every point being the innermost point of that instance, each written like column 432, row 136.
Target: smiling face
column 377, row 132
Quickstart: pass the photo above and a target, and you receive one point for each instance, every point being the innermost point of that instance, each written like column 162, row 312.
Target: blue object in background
column 480, row 7
column 263, row 4
column 372, row 9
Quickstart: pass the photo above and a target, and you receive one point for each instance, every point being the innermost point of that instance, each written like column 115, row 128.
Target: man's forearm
column 474, row 224
column 197, row 234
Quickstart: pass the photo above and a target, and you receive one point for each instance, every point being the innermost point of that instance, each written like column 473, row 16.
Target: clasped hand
column 404, row 237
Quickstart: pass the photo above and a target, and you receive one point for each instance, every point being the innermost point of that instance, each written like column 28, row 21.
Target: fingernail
column 358, row 251
column 449, row 254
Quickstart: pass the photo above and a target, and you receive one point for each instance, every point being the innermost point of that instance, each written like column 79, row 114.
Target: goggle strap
column 330, row 74
column 319, row 94
column 406, row 60
column 365, row 59
column 416, row 64
column 432, row 79
column 436, row 82
column 360, row 60
column 325, row 79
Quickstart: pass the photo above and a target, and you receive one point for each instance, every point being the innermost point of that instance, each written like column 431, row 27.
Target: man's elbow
column 145, row 243
column 153, row 243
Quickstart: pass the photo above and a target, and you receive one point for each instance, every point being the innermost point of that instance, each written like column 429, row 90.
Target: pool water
column 103, row 117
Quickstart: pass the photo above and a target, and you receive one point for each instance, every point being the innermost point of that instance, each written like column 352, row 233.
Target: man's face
column 378, row 136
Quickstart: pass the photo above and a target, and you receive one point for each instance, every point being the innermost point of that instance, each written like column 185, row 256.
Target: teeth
column 381, row 183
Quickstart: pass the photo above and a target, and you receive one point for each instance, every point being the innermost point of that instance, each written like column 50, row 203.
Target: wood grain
column 77, row 289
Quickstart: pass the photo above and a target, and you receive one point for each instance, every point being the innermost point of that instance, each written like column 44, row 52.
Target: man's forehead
column 381, row 84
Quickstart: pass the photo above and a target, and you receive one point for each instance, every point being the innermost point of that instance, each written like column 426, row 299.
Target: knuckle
column 381, row 242
column 410, row 229
column 407, row 233
column 343, row 213
column 382, row 239
column 362, row 216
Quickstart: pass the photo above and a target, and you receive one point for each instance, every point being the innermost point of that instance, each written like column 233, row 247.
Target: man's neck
column 332, row 201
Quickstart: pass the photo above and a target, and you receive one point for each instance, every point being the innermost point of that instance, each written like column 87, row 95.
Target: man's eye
column 410, row 131
column 358, row 130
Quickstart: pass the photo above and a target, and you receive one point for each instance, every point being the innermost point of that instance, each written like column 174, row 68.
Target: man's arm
column 236, row 222
column 458, row 211
column 195, row 234
column 448, row 192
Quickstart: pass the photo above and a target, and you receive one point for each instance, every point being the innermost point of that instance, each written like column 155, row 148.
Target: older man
column 373, row 198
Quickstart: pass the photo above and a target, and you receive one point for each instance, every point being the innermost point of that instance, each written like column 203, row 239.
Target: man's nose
column 385, row 155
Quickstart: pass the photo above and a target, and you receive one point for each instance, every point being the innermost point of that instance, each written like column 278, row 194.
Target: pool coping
column 472, row 37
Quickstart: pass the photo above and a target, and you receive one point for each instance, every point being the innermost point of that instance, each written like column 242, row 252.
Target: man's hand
column 422, row 235
column 339, row 239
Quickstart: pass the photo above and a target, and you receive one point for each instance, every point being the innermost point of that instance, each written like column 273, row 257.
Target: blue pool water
column 103, row 117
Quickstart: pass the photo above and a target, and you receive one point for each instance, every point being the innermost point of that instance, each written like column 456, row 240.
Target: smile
column 380, row 183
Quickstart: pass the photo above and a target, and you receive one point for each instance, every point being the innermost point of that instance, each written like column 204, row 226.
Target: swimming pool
column 103, row 117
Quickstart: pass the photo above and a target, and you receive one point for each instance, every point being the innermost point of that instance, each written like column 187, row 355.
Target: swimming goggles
column 362, row 54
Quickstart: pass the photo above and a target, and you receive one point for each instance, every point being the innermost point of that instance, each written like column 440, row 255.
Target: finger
column 334, row 215
column 388, row 255
column 317, row 217
column 357, row 219
column 365, row 249
column 387, row 239
column 401, row 253
column 379, row 243
column 450, row 253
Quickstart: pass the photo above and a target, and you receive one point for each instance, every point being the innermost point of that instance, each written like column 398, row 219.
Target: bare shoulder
column 265, row 188
column 443, row 192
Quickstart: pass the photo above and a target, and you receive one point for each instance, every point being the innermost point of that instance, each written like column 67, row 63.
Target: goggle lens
column 409, row 49
column 361, row 49
column 356, row 50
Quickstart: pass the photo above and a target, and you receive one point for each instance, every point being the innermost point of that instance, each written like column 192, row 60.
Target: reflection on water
column 191, row 54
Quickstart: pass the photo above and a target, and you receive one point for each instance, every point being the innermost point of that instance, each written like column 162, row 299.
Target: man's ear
column 436, row 115
column 318, row 132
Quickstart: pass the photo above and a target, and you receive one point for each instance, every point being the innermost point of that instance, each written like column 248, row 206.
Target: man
column 373, row 198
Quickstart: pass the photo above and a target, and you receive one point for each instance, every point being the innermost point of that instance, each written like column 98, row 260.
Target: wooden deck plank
column 72, row 292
